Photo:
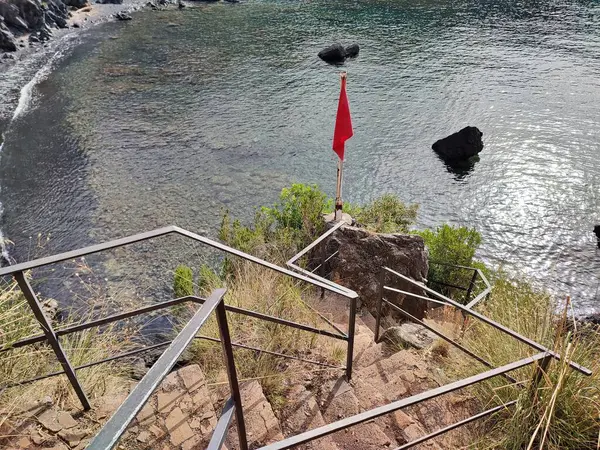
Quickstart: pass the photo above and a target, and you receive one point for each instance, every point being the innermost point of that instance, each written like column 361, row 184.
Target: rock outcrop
column 18, row 17
column 362, row 254
column 459, row 146
column 7, row 39
column 597, row 233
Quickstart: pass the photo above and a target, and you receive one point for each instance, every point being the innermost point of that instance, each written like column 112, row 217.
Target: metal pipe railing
column 111, row 432
column 492, row 323
column 374, row 413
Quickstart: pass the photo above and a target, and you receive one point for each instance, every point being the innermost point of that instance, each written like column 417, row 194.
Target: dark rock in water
column 597, row 233
column 335, row 53
column 110, row 2
column 180, row 4
column 352, row 51
column 76, row 25
column 7, row 39
column 460, row 146
column 123, row 16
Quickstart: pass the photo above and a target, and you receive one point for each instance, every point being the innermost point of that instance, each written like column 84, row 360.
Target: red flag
column 343, row 122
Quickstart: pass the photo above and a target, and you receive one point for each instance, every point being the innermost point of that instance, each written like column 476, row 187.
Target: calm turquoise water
column 177, row 115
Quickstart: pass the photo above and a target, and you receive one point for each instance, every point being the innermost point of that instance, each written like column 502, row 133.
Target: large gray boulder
column 459, row 146
column 362, row 254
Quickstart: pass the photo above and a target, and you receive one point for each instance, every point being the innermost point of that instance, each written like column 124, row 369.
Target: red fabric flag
column 343, row 123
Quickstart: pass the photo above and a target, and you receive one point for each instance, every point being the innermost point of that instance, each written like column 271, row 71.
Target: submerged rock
column 460, row 146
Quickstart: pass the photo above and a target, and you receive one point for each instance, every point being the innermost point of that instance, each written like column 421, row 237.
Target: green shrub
column 451, row 246
column 386, row 214
column 300, row 208
column 183, row 281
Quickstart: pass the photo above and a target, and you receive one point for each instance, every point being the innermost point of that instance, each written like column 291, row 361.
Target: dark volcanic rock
column 460, row 146
column 335, row 53
column 112, row 2
column 361, row 254
column 76, row 3
column 7, row 40
column 597, row 233
column 352, row 51
column 12, row 17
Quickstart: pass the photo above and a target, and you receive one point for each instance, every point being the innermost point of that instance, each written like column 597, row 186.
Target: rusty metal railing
column 478, row 276
column 114, row 428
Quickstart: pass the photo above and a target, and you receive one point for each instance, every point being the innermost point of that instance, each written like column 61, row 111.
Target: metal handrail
column 400, row 404
column 292, row 261
column 469, row 289
column 498, row 326
column 12, row 270
column 112, row 430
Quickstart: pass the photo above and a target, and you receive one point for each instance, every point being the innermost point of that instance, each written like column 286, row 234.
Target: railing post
column 541, row 369
column 471, row 286
column 379, row 304
column 351, row 327
column 322, row 269
column 51, row 337
column 232, row 374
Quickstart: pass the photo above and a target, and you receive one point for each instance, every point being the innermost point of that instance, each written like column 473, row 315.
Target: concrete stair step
column 301, row 413
column 262, row 427
column 337, row 401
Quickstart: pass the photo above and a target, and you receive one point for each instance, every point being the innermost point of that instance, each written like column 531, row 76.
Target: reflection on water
column 177, row 115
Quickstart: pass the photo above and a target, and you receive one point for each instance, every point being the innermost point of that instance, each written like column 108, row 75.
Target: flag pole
column 340, row 169
column 338, row 196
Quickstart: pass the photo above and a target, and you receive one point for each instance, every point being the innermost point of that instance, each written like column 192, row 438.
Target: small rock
column 144, row 437
column 76, row 25
column 73, row 437
column 410, row 334
column 66, row 420
column 49, row 306
column 123, row 16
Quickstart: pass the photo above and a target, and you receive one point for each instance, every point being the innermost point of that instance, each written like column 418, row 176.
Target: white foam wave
column 26, row 97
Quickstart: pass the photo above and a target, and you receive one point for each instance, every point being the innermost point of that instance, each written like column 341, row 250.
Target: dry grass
column 17, row 322
column 563, row 411
column 256, row 288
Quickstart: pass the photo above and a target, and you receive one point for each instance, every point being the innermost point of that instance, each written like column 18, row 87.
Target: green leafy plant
column 451, row 246
column 183, row 281
column 386, row 214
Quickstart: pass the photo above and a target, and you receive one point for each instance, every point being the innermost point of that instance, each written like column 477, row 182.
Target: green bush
column 386, row 214
column 451, row 246
column 183, row 281
column 300, row 208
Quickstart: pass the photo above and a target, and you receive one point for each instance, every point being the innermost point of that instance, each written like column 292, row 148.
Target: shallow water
column 177, row 115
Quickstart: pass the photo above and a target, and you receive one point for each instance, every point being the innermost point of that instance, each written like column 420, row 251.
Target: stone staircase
column 381, row 375
column 182, row 413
